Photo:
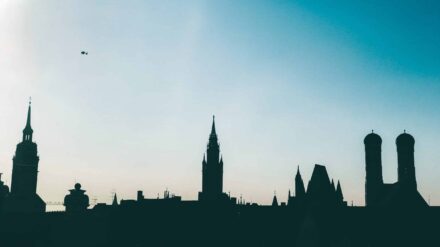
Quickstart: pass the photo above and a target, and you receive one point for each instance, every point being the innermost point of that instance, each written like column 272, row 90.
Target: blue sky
column 291, row 83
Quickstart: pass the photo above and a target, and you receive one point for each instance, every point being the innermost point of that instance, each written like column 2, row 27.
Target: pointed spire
column 333, row 185
column 28, row 121
column 339, row 196
column 213, row 142
column 300, row 190
column 275, row 200
column 27, row 131
column 115, row 200
column 213, row 126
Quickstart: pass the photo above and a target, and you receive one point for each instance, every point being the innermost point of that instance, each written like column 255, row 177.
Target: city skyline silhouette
column 219, row 123
column 314, row 215
column 313, row 82
column 22, row 194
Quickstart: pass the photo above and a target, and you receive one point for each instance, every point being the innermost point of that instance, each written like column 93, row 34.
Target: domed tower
column 373, row 167
column 76, row 201
column 405, row 160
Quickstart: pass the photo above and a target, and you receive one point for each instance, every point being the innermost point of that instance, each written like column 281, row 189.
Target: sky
column 291, row 83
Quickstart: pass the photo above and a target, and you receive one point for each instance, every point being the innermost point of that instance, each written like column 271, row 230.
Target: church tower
column 212, row 169
column 406, row 174
column 373, row 167
column 24, row 196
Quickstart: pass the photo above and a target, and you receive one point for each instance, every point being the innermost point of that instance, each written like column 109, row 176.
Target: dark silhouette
column 23, row 196
column 404, row 192
column 76, row 201
column 320, row 191
column 212, row 171
column 395, row 214
column 4, row 192
column 84, row 53
column 275, row 201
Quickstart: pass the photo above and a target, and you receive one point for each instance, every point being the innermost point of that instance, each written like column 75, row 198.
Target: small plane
column 84, row 53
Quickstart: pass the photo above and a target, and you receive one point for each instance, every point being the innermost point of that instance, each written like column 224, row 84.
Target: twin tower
column 404, row 192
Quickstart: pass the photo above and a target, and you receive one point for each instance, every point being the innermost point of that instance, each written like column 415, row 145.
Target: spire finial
column 28, row 120
column 27, row 131
column 404, row 131
column 372, row 131
column 213, row 125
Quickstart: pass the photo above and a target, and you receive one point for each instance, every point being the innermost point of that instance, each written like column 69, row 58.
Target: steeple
column 275, row 200
column 212, row 169
column 300, row 191
column 24, row 197
column 213, row 126
column 213, row 135
column 27, row 131
column 339, row 196
column 115, row 201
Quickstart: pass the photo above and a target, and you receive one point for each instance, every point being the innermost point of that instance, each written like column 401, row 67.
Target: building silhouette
column 315, row 215
column 212, row 170
column 4, row 193
column 77, row 200
column 320, row 191
column 23, row 196
column 404, row 192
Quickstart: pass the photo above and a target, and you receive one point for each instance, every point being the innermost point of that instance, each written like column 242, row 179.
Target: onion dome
column 405, row 139
column 373, row 138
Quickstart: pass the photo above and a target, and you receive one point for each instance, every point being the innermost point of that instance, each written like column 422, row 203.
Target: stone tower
column 406, row 175
column 24, row 196
column 212, row 169
column 373, row 167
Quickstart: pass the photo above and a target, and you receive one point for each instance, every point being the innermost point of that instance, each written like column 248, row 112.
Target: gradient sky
column 291, row 83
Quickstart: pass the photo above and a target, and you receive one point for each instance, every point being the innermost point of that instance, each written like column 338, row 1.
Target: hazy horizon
column 290, row 83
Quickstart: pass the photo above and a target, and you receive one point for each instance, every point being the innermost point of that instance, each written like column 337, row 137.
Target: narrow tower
column 212, row 169
column 339, row 195
column 373, row 167
column 405, row 160
column 24, row 196
column 300, row 191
